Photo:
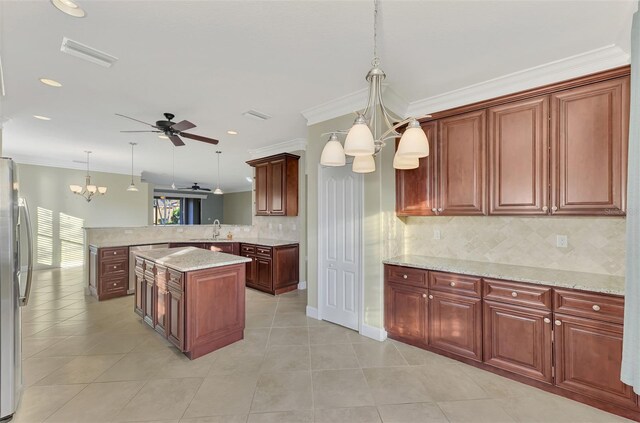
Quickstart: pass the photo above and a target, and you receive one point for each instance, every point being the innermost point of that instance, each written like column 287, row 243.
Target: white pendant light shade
column 132, row 188
column 218, row 191
column 413, row 142
column 76, row 189
column 103, row 190
column 359, row 140
column 363, row 164
column 405, row 163
column 333, row 153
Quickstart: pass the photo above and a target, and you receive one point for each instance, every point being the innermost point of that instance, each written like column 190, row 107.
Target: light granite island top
column 267, row 242
column 594, row 282
column 188, row 259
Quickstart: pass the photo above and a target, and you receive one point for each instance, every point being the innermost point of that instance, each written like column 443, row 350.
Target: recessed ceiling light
column 50, row 82
column 41, row 117
column 164, row 137
column 69, row 7
column 231, row 132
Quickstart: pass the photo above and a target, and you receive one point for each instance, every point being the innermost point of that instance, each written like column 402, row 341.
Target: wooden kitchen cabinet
column 140, row 287
column 108, row 272
column 276, row 185
column 160, row 317
column 225, row 247
column 462, row 147
column 416, row 188
column 519, row 158
column 406, row 312
column 175, row 309
column 274, row 270
column 589, row 138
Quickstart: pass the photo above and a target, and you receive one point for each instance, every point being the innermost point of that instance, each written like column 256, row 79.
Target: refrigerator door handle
column 24, row 300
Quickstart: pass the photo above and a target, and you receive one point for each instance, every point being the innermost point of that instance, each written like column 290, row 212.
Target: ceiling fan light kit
column 374, row 126
column 89, row 190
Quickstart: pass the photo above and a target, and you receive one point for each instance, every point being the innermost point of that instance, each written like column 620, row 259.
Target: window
column 167, row 211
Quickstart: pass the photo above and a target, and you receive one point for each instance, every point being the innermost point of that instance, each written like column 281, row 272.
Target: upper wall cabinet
column 276, row 189
column 589, row 137
column 416, row 188
column 518, row 157
column 462, row 164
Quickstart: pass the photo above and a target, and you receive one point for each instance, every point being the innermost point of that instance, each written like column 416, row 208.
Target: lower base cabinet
column 272, row 269
column 406, row 312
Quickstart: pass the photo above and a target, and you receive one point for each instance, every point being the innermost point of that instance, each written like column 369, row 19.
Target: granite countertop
column 593, row 282
column 187, row 259
column 267, row 242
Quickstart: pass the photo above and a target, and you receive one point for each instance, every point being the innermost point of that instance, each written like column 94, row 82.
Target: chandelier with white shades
column 374, row 126
column 89, row 190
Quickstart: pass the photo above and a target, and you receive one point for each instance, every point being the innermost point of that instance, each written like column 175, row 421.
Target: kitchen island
column 193, row 297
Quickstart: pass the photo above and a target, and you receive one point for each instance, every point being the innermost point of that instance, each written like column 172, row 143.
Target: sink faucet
column 216, row 229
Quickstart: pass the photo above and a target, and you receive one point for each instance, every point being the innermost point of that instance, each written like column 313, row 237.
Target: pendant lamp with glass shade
column 373, row 127
column 405, row 163
column 218, row 191
column 132, row 187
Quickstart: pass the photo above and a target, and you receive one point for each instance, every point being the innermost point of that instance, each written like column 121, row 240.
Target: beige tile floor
column 88, row 362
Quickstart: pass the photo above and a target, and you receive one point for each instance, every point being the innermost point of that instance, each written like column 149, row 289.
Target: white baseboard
column 302, row 285
column 378, row 334
column 312, row 312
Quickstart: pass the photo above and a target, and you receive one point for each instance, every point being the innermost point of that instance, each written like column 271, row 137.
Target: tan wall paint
column 236, row 208
column 59, row 215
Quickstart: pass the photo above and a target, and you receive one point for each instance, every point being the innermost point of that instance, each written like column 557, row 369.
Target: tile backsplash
column 595, row 244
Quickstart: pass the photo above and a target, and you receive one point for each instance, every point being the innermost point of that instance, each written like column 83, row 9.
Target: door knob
column 547, row 320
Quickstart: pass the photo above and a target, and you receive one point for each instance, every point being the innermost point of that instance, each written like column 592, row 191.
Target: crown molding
column 350, row 103
column 296, row 144
column 600, row 59
column 42, row 161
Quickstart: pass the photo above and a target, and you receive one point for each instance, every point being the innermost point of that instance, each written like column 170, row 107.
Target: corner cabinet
column 276, row 185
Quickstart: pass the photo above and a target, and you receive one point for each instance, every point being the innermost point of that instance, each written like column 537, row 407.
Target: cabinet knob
column 546, row 320
column 115, row 267
column 115, row 252
column 545, row 208
column 514, row 294
column 404, row 276
column 595, row 307
column 439, row 209
column 558, row 322
column 431, row 297
column 452, row 284
column 115, row 284
column 434, row 210
column 554, row 208
column 424, row 295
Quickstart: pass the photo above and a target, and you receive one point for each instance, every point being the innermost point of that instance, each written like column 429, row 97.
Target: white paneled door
column 340, row 222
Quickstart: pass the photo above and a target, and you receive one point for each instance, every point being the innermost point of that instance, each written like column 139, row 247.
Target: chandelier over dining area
column 88, row 191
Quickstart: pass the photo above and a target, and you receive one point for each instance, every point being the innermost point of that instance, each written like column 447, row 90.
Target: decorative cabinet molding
column 276, row 185
column 565, row 341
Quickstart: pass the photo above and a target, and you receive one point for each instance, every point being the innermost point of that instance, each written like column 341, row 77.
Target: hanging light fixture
column 132, row 187
column 218, row 191
column 89, row 190
column 374, row 126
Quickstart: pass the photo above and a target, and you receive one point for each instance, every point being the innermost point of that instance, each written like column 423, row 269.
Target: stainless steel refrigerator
column 16, row 270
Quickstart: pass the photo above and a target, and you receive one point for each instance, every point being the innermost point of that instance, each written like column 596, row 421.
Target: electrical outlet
column 437, row 234
column 562, row 241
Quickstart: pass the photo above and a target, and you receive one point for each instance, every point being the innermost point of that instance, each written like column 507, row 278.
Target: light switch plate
column 562, row 241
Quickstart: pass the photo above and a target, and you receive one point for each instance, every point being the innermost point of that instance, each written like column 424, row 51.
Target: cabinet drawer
column 246, row 248
column 517, row 293
column 111, row 253
column 603, row 307
column 263, row 251
column 175, row 281
column 454, row 283
column 113, row 267
column 406, row 275
column 110, row 286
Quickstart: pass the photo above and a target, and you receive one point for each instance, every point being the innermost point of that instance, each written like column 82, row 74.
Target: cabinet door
column 518, row 339
column 462, row 164
column 175, row 318
column 519, row 157
column 416, row 188
column 276, row 189
column 262, row 181
column 149, row 302
column 263, row 269
column 250, row 273
column 162, row 304
column 139, row 294
column 589, row 137
column 405, row 312
column 588, row 359
column 455, row 324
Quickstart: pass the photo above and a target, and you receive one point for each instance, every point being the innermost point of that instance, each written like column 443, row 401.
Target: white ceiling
column 209, row 61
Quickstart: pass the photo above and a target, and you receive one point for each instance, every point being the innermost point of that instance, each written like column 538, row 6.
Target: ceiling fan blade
column 140, row 131
column 204, row 189
column 199, row 138
column 176, row 140
column 182, row 126
column 137, row 120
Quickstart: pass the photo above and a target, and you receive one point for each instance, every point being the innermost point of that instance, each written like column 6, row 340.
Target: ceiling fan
column 195, row 187
column 173, row 130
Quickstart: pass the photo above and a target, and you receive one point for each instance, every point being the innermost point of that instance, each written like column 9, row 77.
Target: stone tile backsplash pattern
column 596, row 245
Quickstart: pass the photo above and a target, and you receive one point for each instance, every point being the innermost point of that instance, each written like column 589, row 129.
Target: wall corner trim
column 312, row 312
column 302, row 285
column 372, row 332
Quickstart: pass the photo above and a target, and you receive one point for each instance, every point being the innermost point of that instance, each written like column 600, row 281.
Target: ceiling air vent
column 254, row 114
column 87, row 53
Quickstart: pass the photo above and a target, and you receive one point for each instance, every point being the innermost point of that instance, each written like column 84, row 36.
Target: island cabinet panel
column 416, row 188
column 215, row 309
column 274, row 270
column 455, row 324
column 519, row 158
column 161, row 300
column 589, row 138
column 140, row 287
column 276, row 186
column 518, row 339
column 148, row 312
column 406, row 312
column 588, row 359
column 462, row 148
column 108, row 272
